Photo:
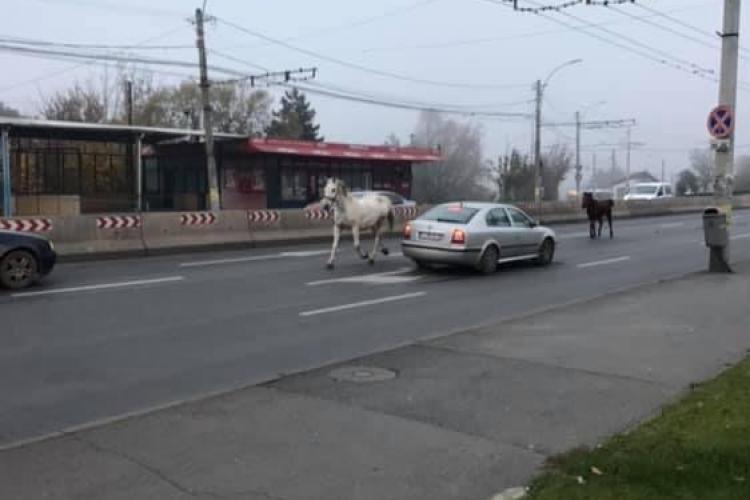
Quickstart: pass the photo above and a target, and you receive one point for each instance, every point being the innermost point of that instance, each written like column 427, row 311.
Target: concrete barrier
column 133, row 234
column 175, row 230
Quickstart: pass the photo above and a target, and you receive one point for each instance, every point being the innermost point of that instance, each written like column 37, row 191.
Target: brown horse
column 596, row 211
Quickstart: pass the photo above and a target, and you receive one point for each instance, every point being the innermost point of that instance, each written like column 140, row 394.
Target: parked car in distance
column 24, row 259
column 649, row 191
column 396, row 199
column 479, row 235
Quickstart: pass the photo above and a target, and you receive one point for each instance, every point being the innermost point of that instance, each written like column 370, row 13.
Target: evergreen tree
column 295, row 119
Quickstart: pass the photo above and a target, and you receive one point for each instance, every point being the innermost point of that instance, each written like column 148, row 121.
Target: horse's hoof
column 371, row 262
column 329, row 266
column 363, row 256
column 385, row 251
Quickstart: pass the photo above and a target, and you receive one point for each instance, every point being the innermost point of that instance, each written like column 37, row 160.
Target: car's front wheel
column 546, row 252
column 18, row 269
column 488, row 261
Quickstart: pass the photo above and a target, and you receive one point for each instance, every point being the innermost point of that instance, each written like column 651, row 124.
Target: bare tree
column 461, row 174
column 77, row 104
column 558, row 161
column 701, row 162
column 6, row 110
column 392, row 140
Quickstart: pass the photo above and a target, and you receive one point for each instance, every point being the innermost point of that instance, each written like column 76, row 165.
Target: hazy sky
column 476, row 54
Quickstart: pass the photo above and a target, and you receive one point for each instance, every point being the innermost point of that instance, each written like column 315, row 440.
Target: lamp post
column 541, row 86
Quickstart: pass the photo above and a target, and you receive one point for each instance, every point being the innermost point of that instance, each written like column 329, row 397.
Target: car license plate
column 430, row 236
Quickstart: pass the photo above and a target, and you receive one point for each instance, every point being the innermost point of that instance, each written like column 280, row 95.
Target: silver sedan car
column 480, row 235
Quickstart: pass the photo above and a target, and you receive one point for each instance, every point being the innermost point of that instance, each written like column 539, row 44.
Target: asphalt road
column 99, row 340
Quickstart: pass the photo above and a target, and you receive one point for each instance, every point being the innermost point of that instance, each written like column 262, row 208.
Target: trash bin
column 715, row 228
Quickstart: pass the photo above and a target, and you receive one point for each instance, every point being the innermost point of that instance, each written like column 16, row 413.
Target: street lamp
column 540, row 88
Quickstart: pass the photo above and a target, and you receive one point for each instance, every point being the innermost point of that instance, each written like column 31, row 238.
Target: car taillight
column 407, row 232
column 458, row 237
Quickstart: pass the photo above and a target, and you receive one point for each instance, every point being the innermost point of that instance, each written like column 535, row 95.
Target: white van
column 649, row 191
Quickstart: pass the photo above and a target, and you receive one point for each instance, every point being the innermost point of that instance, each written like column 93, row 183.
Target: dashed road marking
column 364, row 303
column 740, row 236
column 103, row 286
column 603, row 262
column 388, row 278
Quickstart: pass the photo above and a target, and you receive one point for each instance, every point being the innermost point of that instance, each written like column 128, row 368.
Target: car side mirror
column 533, row 223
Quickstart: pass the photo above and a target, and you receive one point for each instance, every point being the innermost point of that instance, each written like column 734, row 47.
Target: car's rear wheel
column 18, row 269
column 546, row 252
column 488, row 262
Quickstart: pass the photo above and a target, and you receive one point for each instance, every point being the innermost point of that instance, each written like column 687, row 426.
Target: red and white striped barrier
column 263, row 216
column 198, row 219
column 118, row 222
column 26, row 225
column 405, row 212
column 317, row 214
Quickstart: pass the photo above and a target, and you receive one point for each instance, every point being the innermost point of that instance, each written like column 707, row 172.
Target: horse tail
column 391, row 219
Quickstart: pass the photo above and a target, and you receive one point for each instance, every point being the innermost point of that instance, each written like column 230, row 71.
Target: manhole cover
column 362, row 374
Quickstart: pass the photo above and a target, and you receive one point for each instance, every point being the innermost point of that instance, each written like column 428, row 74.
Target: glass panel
column 450, row 213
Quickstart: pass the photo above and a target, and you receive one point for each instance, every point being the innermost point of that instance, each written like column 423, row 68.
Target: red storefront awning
column 334, row 150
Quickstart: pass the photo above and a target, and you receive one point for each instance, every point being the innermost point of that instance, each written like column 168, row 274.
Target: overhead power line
column 109, row 57
column 53, row 74
column 629, row 48
column 359, row 67
column 695, row 29
column 404, row 106
column 45, row 43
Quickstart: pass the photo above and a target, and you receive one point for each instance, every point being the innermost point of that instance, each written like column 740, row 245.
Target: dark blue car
column 24, row 259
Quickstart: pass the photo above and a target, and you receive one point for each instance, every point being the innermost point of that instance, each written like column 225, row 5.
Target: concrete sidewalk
column 463, row 417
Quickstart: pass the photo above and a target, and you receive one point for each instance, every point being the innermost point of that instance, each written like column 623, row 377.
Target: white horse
column 369, row 212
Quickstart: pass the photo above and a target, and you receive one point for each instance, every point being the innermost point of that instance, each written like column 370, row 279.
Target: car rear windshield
column 455, row 214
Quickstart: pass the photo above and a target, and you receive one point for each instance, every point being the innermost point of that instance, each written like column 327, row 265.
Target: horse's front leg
column 601, row 225
column 592, row 229
column 375, row 244
column 355, row 237
column 611, row 230
column 336, row 237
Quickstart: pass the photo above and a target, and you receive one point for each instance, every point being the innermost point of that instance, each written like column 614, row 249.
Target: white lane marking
column 740, row 236
column 103, row 286
column 671, row 225
column 217, row 262
column 364, row 303
column 309, row 253
column 260, row 258
column 572, row 235
column 376, row 278
column 603, row 262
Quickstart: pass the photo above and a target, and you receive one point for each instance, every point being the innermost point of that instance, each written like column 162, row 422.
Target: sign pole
column 724, row 156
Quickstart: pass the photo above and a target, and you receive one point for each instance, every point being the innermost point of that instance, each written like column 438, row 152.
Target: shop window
column 293, row 185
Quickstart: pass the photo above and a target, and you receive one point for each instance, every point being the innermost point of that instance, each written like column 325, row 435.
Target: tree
column 6, row 110
column 557, row 162
column 518, row 177
column 687, row 183
column 461, row 174
column 76, row 104
column 701, row 162
column 606, row 178
column 392, row 140
column 295, row 119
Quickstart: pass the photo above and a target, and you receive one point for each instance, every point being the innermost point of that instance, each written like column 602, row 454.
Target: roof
column 337, row 150
column 80, row 131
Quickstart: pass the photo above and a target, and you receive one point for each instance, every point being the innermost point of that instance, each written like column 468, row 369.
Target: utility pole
column 213, row 179
column 593, row 171
column 663, row 170
column 579, row 175
column 627, row 161
column 129, row 101
column 539, row 185
column 724, row 157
